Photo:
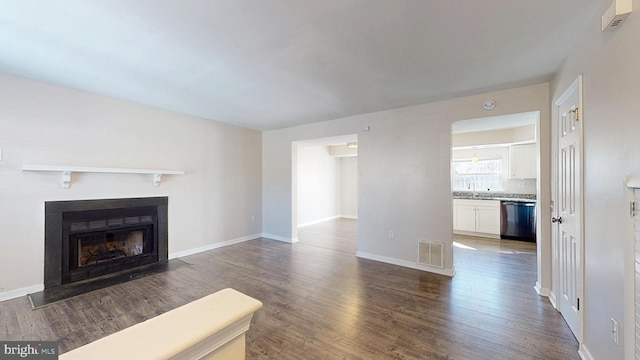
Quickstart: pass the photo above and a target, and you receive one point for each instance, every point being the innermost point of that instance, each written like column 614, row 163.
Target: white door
column 568, row 212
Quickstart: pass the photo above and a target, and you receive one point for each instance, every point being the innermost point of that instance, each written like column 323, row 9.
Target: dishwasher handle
column 516, row 203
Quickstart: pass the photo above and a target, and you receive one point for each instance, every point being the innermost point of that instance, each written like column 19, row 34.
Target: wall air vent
column 431, row 254
column 615, row 14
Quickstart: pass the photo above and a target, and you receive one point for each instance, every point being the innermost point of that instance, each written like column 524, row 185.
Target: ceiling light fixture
column 489, row 104
column 352, row 145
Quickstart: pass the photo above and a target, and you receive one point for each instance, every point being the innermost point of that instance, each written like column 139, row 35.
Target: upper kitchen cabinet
column 522, row 161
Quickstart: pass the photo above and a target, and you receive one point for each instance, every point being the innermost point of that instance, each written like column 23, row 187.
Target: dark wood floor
column 322, row 302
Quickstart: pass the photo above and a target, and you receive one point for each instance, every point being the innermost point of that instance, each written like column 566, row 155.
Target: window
column 481, row 175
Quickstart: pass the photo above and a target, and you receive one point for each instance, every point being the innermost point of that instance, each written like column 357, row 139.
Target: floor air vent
column 430, row 254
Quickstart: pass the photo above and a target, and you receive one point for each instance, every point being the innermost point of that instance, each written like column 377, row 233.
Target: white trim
column 404, row 263
column 213, row 246
column 552, row 299
column 631, row 249
column 16, row 293
column 546, row 292
column 280, row 238
column 210, row 344
column 584, row 353
column 541, row 291
column 580, row 336
column 349, row 217
column 570, row 90
column 633, row 181
column 309, row 223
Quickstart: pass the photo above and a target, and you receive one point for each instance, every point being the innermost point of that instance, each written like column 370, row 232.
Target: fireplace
column 87, row 239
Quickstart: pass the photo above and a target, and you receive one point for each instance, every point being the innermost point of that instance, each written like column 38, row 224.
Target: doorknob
column 558, row 219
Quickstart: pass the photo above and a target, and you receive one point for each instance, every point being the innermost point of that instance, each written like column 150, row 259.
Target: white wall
column 610, row 66
column 403, row 173
column 318, row 185
column 495, row 137
column 514, row 186
column 45, row 124
column 349, row 187
column 327, row 184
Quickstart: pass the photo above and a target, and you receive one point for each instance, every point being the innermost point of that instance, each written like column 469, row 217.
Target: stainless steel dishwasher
column 518, row 220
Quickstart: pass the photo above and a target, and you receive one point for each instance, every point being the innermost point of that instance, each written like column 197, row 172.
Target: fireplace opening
column 91, row 238
column 96, row 248
column 103, row 249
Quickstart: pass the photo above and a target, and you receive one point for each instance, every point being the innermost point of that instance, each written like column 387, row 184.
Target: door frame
column 295, row 145
column 576, row 86
column 543, row 248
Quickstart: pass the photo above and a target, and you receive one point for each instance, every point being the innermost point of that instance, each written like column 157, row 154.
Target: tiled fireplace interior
column 86, row 239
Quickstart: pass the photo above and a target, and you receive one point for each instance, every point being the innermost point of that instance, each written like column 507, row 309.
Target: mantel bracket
column 66, row 179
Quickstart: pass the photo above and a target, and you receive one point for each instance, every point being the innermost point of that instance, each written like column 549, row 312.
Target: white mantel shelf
column 67, row 170
column 633, row 182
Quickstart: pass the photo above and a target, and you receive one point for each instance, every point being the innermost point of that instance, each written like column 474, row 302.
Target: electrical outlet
column 391, row 234
column 614, row 331
column 253, row 219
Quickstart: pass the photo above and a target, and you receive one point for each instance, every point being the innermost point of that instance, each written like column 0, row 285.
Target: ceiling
column 268, row 64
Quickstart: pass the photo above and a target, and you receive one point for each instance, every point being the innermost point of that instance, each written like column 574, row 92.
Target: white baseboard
column 408, row 264
column 16, row 293
column 584, row 353
column 541, row 291
column 280, row 238
column 552, row 299
column 349, row 217
column 213, row 246
column 309, row 223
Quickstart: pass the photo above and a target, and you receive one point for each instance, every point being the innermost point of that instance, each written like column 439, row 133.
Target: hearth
column 87, row 239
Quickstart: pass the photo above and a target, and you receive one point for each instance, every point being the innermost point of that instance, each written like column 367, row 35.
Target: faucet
column 473, row 185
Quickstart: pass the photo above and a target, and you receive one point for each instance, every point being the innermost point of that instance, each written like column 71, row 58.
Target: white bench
column 212, row 327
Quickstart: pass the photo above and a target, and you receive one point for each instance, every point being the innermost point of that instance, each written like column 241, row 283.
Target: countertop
column 524, row 198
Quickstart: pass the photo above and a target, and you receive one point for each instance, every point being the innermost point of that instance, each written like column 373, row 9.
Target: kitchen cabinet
column 523, row 161
column 479, row 217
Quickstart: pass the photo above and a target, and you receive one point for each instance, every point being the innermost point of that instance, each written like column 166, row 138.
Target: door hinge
column 632, row 208
column 578, row 304
column 577, row 112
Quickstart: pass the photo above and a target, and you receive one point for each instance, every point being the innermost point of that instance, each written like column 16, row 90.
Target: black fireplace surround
column 86, row 239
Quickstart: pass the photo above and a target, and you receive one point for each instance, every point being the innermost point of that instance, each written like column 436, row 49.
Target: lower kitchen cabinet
column 476, row 217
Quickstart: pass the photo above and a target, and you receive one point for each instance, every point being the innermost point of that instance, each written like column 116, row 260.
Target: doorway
column 325, row 179
column 494, row 163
